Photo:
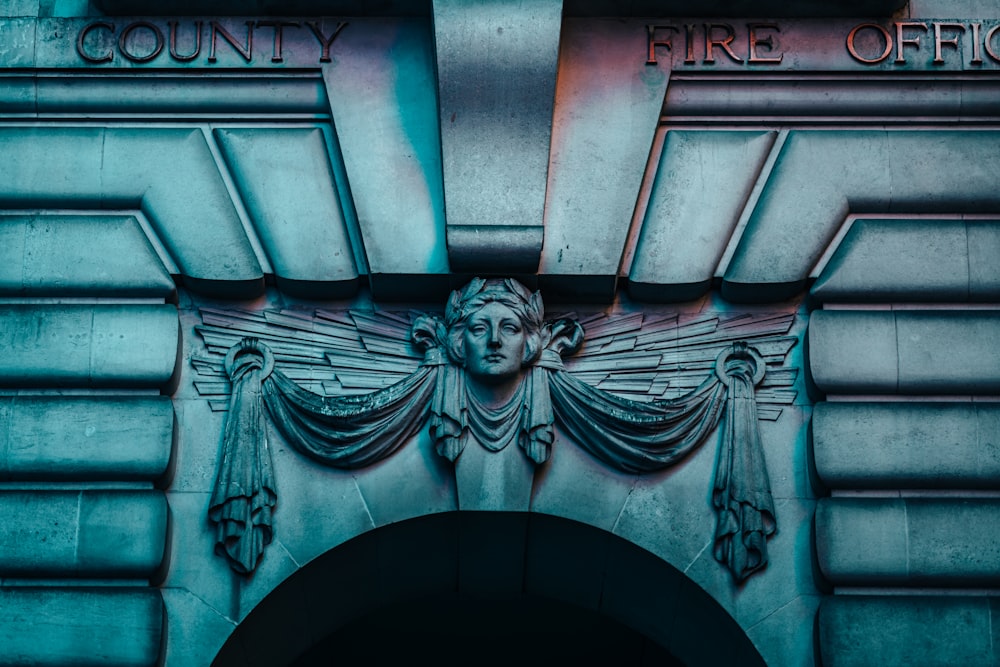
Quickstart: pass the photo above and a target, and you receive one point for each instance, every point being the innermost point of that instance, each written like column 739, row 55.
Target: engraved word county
column 143, row 41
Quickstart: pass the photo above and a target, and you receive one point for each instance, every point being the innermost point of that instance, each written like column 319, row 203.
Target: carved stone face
column 494, row 344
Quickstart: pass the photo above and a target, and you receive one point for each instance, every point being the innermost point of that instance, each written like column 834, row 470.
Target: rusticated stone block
column 285, row 179
column 80, row 626
column 93, row 438
column 908, row 352
column 92, row 533
column 918, row 541
column 66, row 255
column 88, row 346
column 902, row 631
column 672, row 261
column 900, row 260
column 805, row 198
column 50, row 167
column 907, row 445
column 853, row 351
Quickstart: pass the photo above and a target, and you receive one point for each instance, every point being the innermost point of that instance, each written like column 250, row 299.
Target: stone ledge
column 789, row 231
column 56, row 438
column 67, row 255
column 909, row 541
column 119, row 534
column 913, row 260
column 88, row 346
column 907, row 445
column 901, row 631
column 80, row 626
column 906, row 352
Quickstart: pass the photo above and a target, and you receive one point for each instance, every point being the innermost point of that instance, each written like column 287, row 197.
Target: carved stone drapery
column 631, row 436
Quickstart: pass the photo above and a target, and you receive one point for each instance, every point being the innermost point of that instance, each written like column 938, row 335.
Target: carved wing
column 638, row 356
column 645, row 357
column 331, row 353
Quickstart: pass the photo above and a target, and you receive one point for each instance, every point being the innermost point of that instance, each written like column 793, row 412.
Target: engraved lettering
column 173, row 42
column 939, row 40
column 278, row 26
column 245, row 51
column 689, row 44
column 652, row 42
column 988, row 43
column 977, row 54
column 768, row 41
column 123, row 41
column 324, row 42
column 902, row 41
column 107, row 57
column 852, row 49
column 723, row 43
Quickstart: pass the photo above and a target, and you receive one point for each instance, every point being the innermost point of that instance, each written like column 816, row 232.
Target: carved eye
column 477, row 329
column 511, row 329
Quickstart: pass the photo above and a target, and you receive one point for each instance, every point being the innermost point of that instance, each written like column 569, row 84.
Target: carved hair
column 466, row 302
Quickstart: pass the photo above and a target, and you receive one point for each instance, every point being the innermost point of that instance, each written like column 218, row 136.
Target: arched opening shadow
column 488, row 588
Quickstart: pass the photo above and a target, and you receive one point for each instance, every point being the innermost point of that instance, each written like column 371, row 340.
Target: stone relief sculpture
column 493, row 371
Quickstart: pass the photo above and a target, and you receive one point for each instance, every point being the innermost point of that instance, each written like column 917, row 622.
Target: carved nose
column 494, row 340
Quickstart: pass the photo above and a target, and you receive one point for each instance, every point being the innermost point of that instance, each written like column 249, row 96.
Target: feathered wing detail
column 647, row 357
column 330, row 353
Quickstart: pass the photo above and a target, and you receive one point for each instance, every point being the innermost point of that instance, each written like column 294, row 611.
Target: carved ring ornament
column 494, row 372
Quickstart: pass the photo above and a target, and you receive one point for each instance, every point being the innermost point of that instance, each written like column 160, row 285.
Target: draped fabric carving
column 630, row 436
column 244, row 494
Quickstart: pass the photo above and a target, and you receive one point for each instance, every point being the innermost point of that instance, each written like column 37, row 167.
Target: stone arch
column 529, row 564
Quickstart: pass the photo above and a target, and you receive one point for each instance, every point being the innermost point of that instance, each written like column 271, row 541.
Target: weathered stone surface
column 80, row 626
column 382, row 92
column 984, row 248
column 914, row 541
column 948, row 352
column 17, row 92
column 853, row 351
column 91, row 533
column 805, row 198
column 188, row 206
column 916, row 352
column 772, row 8
column 92, row 438
column 702, row 183
column 178, row 94
column 765, row 97
column 496, row 65
column 902, row 260
column 88, row 346
column 899, row 631
column 67, row 255
column 907, row 445
column 196, row 632
column 606, row 111
column 287, row 184
column 19, row 35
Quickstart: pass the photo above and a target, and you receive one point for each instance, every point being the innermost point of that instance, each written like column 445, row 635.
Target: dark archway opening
column 449, row 631
column 488, row 588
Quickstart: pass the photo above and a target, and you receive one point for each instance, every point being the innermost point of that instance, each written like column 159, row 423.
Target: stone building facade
column 819, row 181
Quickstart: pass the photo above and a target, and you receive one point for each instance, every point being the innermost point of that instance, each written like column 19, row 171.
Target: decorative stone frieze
column 492, row 373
